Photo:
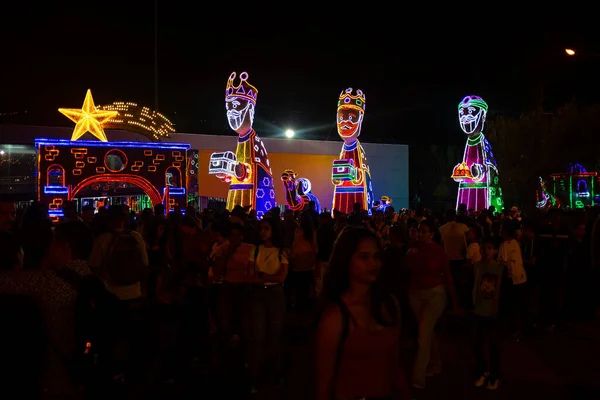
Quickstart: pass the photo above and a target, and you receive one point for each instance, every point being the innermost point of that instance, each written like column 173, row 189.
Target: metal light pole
column 156, row 55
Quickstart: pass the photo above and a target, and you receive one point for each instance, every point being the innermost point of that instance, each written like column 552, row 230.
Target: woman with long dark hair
column 358, row 333
column 267, row 266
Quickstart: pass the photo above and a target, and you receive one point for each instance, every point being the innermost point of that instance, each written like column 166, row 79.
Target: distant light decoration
column 142, row 120
column 350, row 174
column 298, row 191
column 248, row 170
column 544, row 200
column 477, row 174
column 65, row 168
column 384, row 203
column 577, row 186
column 89, row 118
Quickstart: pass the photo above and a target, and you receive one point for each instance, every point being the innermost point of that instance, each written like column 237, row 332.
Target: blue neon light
column 176, row 191
column 349, row 189
column 56, row 213
column 56, row 189
column 97, row 143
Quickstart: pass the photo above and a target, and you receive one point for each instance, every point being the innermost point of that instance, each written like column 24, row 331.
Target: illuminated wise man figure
column 477, row 174
column 248, row 170
column 350, row 174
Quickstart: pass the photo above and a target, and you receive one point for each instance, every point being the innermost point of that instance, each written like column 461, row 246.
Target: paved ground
column 560, row 365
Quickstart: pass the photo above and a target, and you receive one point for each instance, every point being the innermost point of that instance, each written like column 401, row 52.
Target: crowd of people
column 107, row 297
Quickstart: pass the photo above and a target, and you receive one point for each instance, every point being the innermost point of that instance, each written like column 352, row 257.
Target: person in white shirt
column 509, row 254
column 455, row 245
column 473, row 248
column 268, row 268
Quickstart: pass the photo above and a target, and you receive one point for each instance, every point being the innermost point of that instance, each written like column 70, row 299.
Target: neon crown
column 243, row 90
column 357, row 101
column 473, row 101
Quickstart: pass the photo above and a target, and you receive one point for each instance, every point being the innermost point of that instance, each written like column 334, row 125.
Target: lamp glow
column 570, row 52
column 289, row 133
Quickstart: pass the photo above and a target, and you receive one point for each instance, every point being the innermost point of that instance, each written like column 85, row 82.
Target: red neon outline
column 55, row 166
column 124, row 165
column 180, row 185
column 139, row 181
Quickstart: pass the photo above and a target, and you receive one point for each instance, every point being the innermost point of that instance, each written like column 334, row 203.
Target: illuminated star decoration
column 89, row 118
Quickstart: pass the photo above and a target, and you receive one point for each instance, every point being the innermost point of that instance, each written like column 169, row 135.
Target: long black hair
column 337, row 277
column 276, row 234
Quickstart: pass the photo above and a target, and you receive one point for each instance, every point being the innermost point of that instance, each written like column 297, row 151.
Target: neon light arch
column 139, row 181
column 56, row 167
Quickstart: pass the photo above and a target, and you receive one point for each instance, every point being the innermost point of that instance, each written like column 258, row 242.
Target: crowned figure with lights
column 477, row 174
column 350, row 173
column 248, row 170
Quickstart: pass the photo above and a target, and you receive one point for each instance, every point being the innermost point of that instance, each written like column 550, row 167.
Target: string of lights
column 138, row 119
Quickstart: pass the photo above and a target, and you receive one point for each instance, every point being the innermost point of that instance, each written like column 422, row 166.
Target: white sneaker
column 493, row 385
column 481, row 381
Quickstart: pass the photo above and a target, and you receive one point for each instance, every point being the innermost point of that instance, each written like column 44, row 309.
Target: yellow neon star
column 88, row 119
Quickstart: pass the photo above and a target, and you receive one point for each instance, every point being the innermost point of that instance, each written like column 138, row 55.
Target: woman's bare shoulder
column 331, row 320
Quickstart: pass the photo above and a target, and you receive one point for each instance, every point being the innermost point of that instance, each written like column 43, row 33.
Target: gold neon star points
column 88, row 119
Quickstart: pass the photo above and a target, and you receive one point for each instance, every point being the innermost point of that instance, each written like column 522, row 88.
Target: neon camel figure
column 477, row 174
column 298, row 191
column 350, row 174
column 248, row 171
column 384, row 203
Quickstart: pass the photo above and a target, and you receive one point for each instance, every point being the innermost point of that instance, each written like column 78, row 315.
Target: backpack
column 125, row 260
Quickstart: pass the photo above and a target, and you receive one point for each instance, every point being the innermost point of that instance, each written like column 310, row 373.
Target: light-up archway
column 138, row 181
column 75, row 165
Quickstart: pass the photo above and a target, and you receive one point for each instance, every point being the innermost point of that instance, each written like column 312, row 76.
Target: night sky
column 413, row 74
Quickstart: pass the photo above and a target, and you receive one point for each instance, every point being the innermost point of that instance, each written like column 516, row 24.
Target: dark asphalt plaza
column 562, row 365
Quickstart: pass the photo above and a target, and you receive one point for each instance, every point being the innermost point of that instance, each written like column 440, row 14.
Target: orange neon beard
column 350, row 132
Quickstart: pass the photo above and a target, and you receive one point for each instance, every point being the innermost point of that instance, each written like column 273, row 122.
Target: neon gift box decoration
column 344, row 170
column 222, row 163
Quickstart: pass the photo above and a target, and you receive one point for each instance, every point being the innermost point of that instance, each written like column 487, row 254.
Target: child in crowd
column 486, row 296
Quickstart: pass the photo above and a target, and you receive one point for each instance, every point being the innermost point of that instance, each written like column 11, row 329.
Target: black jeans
column 299, row 282
column 229, row 311
column 487, row 339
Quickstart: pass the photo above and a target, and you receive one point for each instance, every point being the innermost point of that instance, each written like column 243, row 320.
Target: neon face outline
column 349, row 122
column 472, row 111
column 240, row 102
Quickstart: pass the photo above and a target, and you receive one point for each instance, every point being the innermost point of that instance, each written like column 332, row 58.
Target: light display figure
column 477, row 174
column 544, row 200
column 350, row 173
column 248, row 170
column 384, row 203
column 298, row 191
column 89, row 118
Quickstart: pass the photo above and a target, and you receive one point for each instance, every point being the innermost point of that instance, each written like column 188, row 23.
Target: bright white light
column 289, row 133
column 570, row 52
column 1, row 152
